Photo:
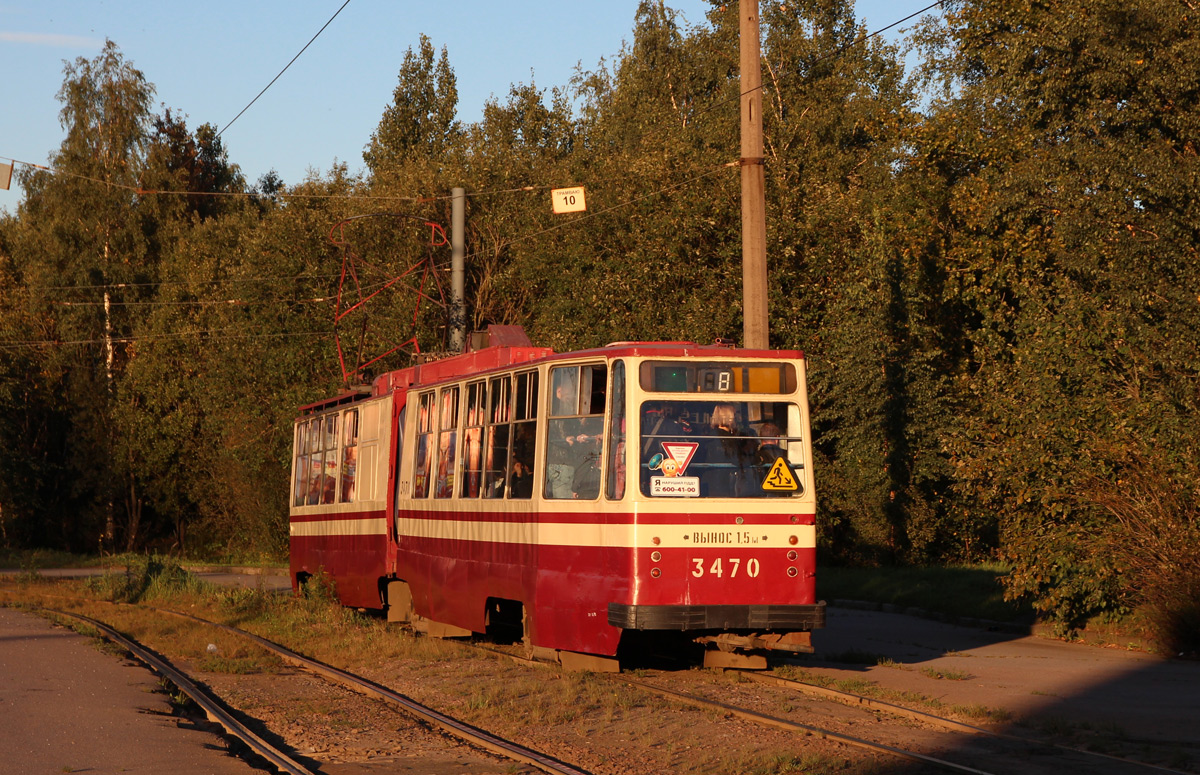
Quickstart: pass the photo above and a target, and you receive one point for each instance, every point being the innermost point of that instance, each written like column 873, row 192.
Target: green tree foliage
column 239, row 339
column 1071, row 176
column 659, row 128
column 844, row 287
column 420, row 121
column 79, row 252
column 178, row 160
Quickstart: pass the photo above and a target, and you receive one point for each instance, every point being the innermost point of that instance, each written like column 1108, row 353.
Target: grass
column 981, row 713
column 964, row 591
column 36, row 559
column 809, row 764
column 945, row 675
column 146, row 578
column 865, row 688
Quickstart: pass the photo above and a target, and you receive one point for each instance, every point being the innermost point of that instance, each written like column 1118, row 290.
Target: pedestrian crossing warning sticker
column 780, row 477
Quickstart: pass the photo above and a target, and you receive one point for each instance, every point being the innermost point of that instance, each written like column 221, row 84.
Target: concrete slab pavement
column 1143, row 696
column 67, row 707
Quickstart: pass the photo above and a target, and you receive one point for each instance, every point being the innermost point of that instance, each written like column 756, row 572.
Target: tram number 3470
column 718, row 567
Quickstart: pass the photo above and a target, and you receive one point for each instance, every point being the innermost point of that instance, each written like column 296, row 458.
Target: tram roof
column 504, row 346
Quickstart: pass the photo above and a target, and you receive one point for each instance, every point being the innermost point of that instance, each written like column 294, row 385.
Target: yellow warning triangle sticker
column 780, row 477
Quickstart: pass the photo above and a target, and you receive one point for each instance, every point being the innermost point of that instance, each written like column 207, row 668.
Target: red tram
column 578, row 501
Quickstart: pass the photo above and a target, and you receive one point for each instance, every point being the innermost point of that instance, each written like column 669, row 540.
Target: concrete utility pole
column 755, row 327
column 458, row 306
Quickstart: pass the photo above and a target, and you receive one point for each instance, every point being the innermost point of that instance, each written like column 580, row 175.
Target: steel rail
column 778, row 723
column 447, row 724
column 510, row 750
column 917, row 715
column 755, row 717
column 213, row 709
column 856, row 699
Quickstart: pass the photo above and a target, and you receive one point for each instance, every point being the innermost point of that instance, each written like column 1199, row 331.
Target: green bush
column 1153, row 542
column 145, row 578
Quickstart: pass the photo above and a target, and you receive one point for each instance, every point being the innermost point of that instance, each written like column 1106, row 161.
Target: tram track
column 1007, row 753
column 282, row 760
column 929, row 718
column 212, row 707
column 458, row 729
column 764, row 719
column 977, row 759
column 867, row 703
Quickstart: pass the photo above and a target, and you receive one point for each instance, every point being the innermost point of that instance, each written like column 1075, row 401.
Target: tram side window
column 330, row 442
column 447, row 443
column 317, row 464
column 312, row 487
column 398, row 441
column 575, row 428
column 497, row 436
column 349, row 454
column 473, row 440
column 300, row 486
column 524, row 436
column 423, row 465
column 510, row 436
column 614, row 485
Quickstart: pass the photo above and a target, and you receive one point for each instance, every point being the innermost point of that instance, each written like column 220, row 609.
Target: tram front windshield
column 720, row 449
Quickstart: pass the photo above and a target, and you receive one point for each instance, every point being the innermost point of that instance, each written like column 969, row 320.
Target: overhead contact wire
column 285, row 68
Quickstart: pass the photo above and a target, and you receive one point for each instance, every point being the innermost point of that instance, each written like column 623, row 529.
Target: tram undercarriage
column 507, row 623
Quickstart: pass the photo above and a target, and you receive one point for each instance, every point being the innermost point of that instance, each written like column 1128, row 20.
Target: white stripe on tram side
column 371, row 526
column 626, row 536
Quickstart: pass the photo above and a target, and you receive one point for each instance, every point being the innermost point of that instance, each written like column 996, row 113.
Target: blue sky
column 208, row 60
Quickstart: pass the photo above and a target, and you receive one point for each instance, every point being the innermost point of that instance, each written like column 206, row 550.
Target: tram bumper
column 775, row 618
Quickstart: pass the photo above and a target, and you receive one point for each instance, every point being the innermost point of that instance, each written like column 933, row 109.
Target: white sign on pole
column 568, row 200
